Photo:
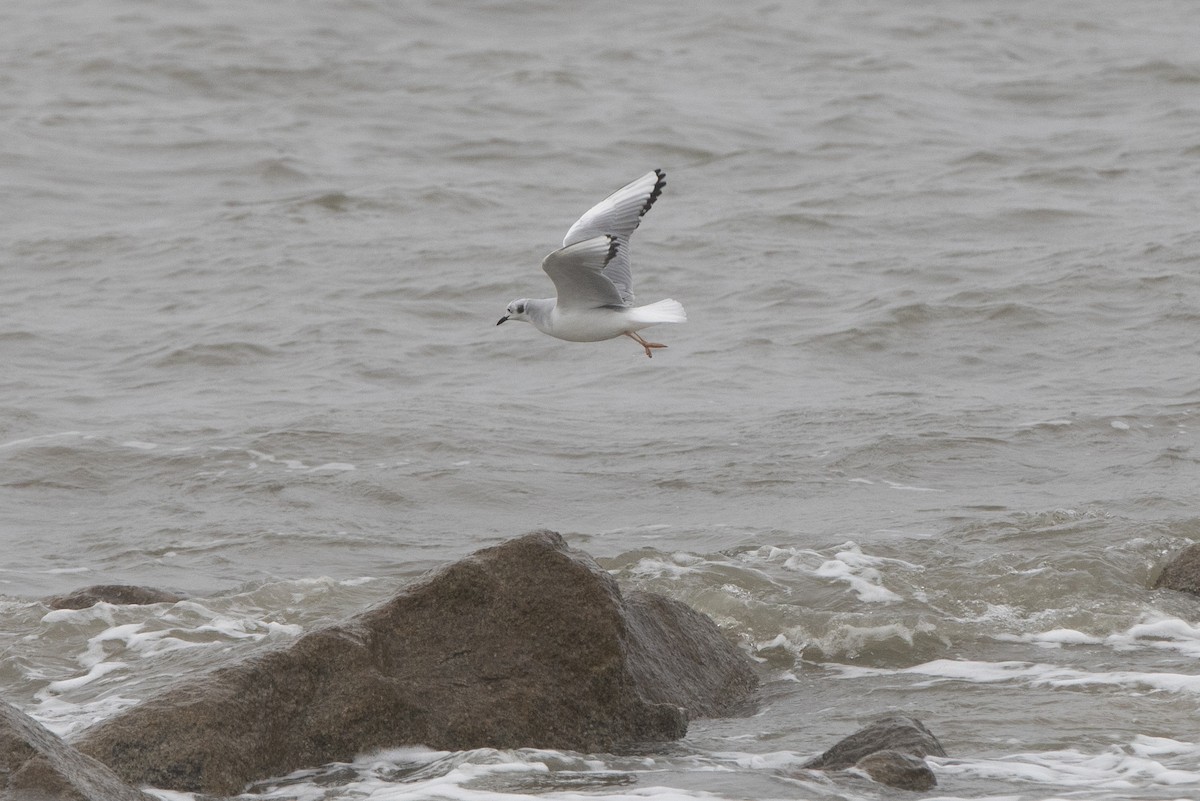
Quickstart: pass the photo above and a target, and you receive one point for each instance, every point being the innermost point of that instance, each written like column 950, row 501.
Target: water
column 923, row 445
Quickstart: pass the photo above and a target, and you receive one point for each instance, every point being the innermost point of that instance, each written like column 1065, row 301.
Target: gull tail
column 665, row 311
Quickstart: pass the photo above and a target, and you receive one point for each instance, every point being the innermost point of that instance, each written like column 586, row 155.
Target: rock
column 890, row 750
column 35, row 765
column 1183, row 572
column 113, row 594
column 892, row 733
column 902, row 771
column 526, row 644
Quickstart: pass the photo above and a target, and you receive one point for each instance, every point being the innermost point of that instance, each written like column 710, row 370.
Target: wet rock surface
column 1182, row 573
column 113, row 594
column 902, row 771
column 890, row 750
column 526, row 644
column 36, row 765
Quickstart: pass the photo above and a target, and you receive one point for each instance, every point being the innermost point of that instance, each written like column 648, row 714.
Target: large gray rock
column 1183, row 572
column 891, row 750
column 35, row 765
column 528, row 643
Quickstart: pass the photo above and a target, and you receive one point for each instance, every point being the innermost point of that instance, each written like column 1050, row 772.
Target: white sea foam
column 1119, row 767
column 1035, row 674
column 415, row 774
column 865, row 582
column 65, row 717
column 529, row 775
column 861, row 572
column 673, row 566
column 1162, row 746
column 1056, row 638
column 771, row 760
column 101, row 611
column 1160, row 632
column 169, row 795
column 1155, row 631
column 96, row 671
column 71, row 701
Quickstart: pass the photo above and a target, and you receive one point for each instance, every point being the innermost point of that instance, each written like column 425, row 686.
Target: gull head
column 517, row 310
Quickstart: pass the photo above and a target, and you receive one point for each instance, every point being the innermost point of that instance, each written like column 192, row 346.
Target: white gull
column 592, row 275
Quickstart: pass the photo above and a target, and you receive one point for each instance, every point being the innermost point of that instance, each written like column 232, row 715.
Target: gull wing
column 578, row 272
column 618, row 216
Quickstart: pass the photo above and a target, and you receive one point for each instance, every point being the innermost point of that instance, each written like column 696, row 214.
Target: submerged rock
column 902, row 771
column 526, row 644
column 1183, row 572
column 113, row 594
column 890, row 750
column 36, row 765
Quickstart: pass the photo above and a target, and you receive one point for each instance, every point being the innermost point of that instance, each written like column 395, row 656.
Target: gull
column 592, row 275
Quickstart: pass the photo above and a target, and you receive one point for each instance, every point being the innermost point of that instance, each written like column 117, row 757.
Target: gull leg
column 647, row 345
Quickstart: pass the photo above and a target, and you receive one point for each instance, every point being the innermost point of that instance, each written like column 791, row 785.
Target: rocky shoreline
column 528, row 643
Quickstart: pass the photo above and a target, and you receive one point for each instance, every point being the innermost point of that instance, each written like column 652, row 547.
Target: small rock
column 902, row 771
column 35, row 765
column 1183, row 572
column 892, row 733
column 113, row 594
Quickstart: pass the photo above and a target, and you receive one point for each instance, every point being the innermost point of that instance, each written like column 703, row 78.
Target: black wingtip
column 614, row 247
column 654, row 193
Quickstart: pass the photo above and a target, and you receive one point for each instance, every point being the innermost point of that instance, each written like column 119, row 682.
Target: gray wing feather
column 618, row 216
column 579, row 272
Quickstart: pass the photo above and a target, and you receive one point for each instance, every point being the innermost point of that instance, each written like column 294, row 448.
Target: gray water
column 923, row 445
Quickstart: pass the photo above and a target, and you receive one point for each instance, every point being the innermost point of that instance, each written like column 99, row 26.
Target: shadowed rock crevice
column 527, row 644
